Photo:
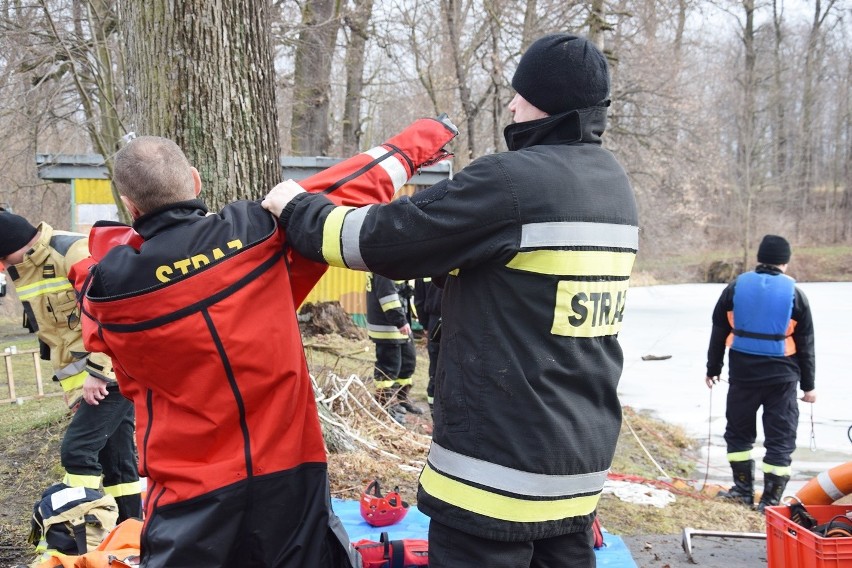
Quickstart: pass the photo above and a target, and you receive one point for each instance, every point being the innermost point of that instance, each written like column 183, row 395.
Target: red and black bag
column 405, row 553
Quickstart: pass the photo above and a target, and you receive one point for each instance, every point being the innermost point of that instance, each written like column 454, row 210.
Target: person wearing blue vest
column 765, row 319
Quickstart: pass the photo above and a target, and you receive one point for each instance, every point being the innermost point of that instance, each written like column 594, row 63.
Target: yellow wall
column 343, row 285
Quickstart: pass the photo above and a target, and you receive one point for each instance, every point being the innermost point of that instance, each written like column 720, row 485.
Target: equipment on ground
column 382, row 510
column 689, row 532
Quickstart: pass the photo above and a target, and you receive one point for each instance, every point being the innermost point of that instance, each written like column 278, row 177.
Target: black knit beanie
column 561, row 72
column 774, row 250
column 15, row 233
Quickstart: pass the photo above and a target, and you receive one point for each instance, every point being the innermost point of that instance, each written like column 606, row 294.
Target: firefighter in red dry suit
column 198, row 312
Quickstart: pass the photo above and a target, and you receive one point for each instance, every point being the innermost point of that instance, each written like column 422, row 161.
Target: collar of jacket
column 37, row 254
column 767, row 269
column 583, row 125
column 169, row 216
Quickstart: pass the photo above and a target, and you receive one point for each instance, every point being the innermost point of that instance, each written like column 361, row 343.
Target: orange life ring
column 828, row 486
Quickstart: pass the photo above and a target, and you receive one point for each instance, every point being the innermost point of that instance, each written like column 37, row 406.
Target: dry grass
column 383, row 450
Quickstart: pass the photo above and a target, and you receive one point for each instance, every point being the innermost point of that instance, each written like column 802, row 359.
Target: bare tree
column 201, row 74
column 357, row 22
column 312, row 77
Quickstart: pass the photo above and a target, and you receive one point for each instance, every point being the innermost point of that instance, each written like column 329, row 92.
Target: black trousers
column 451, row 548
column 780, row 419
column 281, row 520
column 395, row 361
column 100, row 441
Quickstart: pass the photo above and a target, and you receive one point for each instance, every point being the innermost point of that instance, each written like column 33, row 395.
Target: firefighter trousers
column 780, row 420
column 99, row 442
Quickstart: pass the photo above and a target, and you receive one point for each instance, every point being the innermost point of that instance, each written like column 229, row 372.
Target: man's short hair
column 153, row 172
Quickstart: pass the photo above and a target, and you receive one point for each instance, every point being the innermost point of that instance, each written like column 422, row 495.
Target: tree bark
column 200, row 72
column 357, row 22
column 312, row 78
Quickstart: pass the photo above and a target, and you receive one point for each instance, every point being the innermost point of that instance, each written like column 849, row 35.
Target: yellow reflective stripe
column 393, row 304
column 123, row 489
column 739, row 456
column 454, row 272
column 332, row 249
column 87, row 481
column 574, row 262
column 430, row 399
column 383, row 384
column 73, row 382
column 404, row 382
column 47, row 286
column 777, row 469
column 386, row 335
column 501, row 507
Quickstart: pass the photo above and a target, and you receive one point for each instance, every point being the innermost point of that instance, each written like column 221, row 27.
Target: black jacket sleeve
column 719, row 333
column 803, row 337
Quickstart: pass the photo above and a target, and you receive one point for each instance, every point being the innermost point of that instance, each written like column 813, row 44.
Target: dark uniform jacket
column 539, row 243
column 799, row 361
column 387, row 310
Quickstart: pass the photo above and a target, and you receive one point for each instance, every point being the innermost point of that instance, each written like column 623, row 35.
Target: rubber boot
column 773, row 490
column 743, row 489
column 405, row 402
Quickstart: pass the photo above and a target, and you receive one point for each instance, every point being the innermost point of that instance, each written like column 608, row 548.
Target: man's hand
column 277, row 199
column 94, row 390
column 405, row 330
column 711, row 381
column 810, row 396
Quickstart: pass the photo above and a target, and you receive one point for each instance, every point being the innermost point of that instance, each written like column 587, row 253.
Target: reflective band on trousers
column 87, row 481
column 123, row 489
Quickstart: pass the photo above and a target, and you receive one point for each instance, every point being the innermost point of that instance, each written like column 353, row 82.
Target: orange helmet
column 381, row 511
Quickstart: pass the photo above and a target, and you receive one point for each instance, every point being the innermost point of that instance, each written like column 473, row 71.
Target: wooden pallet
column 7, row 359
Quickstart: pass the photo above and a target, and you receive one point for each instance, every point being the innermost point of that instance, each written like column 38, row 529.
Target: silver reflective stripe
column 829, row 487
column 513, row 480
column 579, row 234
column 389, row 298
column 71, row 369
column 349, row 238
column 375, row 327
column 391, row 165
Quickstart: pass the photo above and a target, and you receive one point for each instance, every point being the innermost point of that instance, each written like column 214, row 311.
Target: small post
column 9, row 376
column 37, row 365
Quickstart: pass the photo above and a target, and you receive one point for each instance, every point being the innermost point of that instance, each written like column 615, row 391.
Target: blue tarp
column 614, row 554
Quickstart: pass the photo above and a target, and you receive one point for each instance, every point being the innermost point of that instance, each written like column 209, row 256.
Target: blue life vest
column 763, row 304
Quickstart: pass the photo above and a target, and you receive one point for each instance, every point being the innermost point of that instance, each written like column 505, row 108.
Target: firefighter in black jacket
column 767, row 321
column 427, row 303
column 539, row 244
column 389, row 327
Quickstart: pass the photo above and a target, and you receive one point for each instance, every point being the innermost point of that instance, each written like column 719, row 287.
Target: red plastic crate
column 789, row 545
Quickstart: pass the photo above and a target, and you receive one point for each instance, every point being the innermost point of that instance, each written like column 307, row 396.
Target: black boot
column 743, row 489
column 773, row 490
column 405, row 402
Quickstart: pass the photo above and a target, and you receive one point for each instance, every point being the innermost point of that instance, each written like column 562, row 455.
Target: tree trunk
column 357, row 22
column 200, row 72
column 312, row 78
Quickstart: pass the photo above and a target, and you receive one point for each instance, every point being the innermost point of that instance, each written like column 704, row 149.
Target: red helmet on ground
column 381, row 511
